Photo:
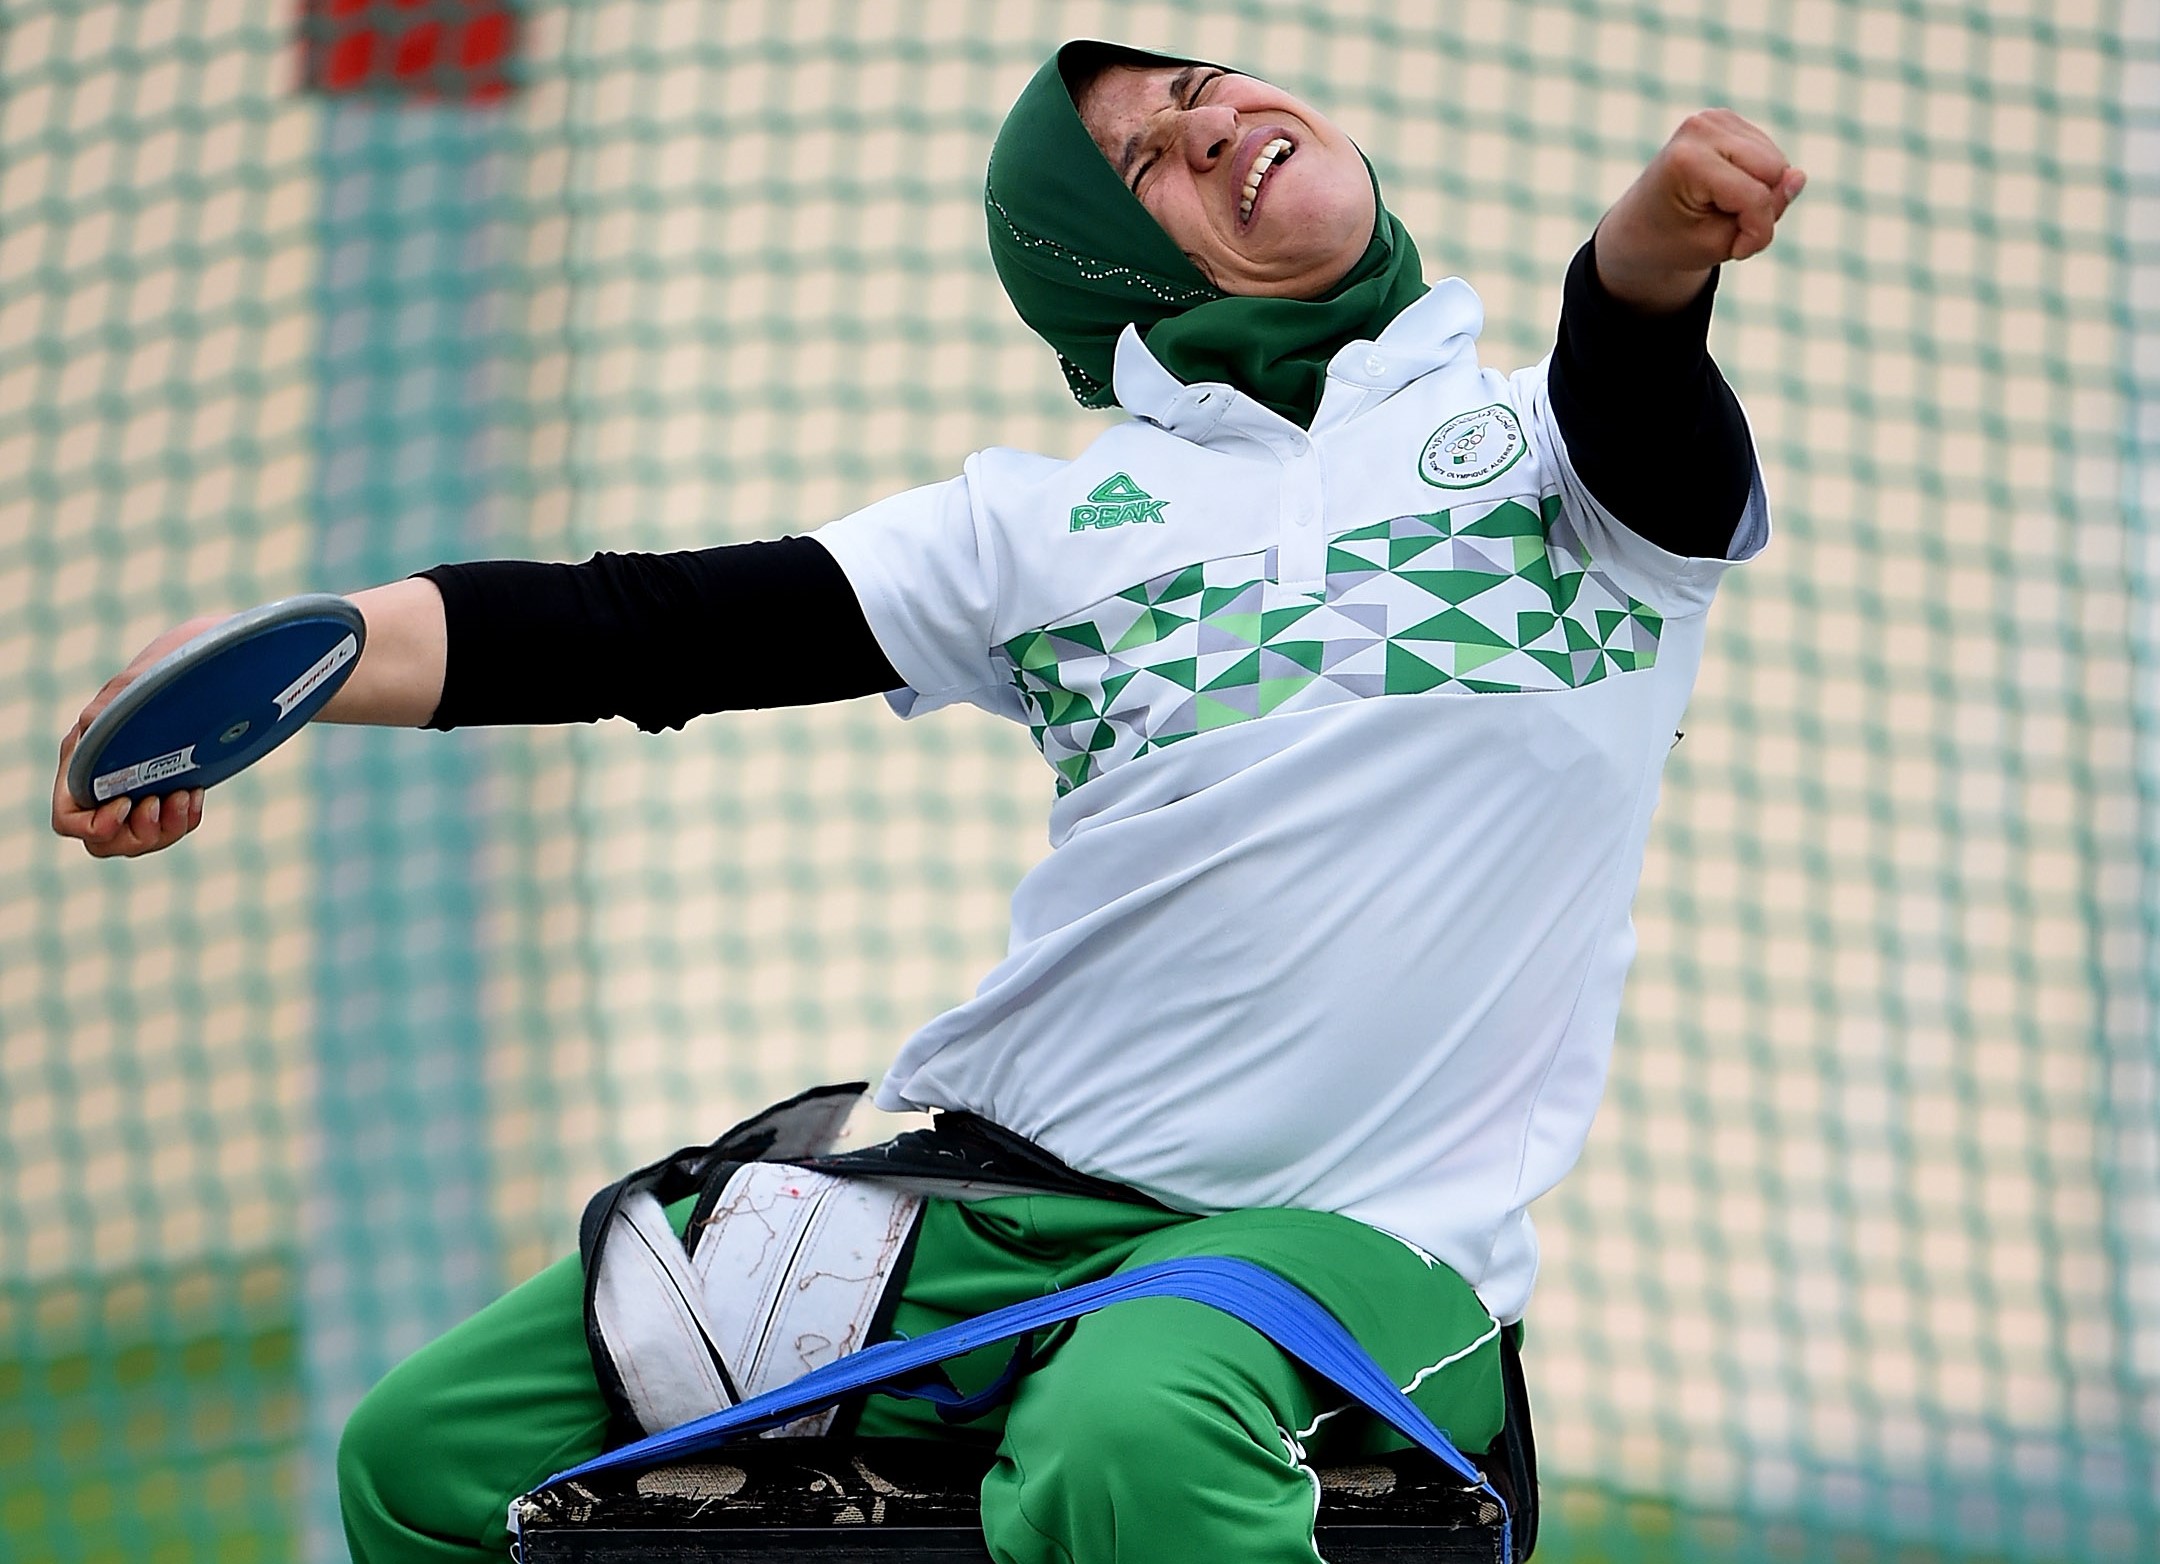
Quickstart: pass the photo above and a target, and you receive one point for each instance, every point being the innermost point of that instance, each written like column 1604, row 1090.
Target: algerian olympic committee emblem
column 1472, row 448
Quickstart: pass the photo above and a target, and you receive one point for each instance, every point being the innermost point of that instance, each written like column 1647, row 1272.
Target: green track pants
column 1157, row 1429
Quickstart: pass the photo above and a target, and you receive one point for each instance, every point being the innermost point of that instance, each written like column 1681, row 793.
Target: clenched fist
column 1714, row 193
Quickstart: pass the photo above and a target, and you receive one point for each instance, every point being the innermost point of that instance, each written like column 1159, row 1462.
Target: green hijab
column 1081, row 258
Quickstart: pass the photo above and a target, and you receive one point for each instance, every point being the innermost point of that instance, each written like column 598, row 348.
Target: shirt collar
column 1438, row 329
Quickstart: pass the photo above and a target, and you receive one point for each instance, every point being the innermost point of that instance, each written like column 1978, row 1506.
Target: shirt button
column 1376, row 365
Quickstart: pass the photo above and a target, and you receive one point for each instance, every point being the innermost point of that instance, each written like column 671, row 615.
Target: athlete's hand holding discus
column 396, row 681
column 1714, row 193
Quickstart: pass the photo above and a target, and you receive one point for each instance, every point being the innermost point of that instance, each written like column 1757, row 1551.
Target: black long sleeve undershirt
column 1625, row 384
column 662, row 638
column 657, row 638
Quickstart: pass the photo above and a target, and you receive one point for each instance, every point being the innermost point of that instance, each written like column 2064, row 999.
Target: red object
column 425, row 50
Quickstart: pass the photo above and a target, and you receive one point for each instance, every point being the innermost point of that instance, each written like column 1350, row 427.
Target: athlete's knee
column 1087, row 1432
column 382, row 1462
column 1116, row 1459
column 1111, row 1419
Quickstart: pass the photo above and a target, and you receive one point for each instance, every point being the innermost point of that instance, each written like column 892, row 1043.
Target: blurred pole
column 401, row 1241
column 2133, row 1143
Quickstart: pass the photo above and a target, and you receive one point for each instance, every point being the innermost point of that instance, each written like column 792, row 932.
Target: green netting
column 1864, row 1260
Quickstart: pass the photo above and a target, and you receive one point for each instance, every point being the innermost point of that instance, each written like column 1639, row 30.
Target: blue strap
column 1283, row 1313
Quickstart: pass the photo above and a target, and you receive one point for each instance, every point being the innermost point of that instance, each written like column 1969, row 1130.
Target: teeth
column 1260, row 165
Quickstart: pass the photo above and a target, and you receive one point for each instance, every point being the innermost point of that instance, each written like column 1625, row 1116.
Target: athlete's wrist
column 399, row 679
column 1637, row 276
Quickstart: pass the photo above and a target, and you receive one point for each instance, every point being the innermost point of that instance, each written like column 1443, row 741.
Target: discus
column 219, row 703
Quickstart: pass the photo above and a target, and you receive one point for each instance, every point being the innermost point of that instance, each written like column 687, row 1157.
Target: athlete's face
column 1259, row 189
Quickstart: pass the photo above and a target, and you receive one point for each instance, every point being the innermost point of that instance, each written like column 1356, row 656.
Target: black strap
column 964, row 1148
column 1511, row 1463
column 960, row 1149
column 781, row 1134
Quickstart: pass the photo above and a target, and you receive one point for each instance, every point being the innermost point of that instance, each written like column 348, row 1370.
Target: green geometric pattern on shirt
column 1482, row 599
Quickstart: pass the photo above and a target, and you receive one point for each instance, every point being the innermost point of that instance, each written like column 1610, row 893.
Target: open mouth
column 1265, row 161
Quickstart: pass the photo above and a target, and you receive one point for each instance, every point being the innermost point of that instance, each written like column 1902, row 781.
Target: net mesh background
column 1864, row 1257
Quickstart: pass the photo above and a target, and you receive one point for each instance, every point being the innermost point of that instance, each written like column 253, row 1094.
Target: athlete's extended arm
column 1631, row 370
column 658, row 638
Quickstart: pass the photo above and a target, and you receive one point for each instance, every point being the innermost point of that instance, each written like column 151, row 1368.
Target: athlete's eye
column 1200, row 84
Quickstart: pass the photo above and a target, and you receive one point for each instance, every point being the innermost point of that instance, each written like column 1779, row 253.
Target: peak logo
column 1116, row 501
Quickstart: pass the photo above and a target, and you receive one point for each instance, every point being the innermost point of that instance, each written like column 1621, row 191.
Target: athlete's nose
column 1207, row 134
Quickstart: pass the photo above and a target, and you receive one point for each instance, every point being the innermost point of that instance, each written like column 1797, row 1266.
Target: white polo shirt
column 1357, row 736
